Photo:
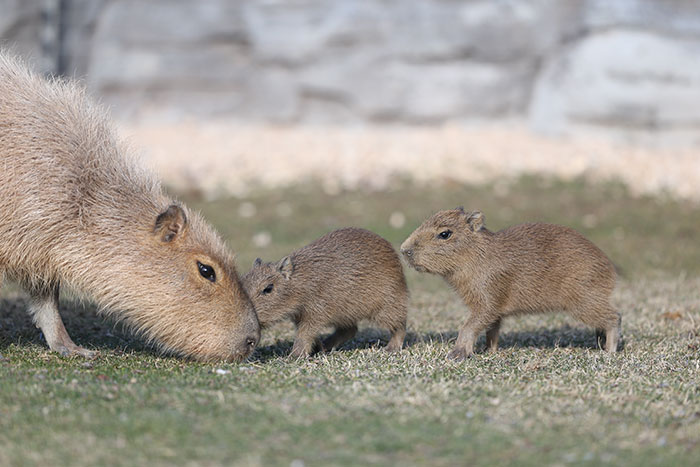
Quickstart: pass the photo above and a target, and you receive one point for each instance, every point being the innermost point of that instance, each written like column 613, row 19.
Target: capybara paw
column 392, row 348
column 294, row 355
column 458, row 354
column 75, row 351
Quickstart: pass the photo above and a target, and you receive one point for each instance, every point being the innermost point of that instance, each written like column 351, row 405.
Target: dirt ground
column 219, row 158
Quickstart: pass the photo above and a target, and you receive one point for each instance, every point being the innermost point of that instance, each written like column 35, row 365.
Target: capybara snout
column 212, row 318
column 250, row 336
column 435, row 247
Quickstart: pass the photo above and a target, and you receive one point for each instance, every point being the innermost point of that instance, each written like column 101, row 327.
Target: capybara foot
column 72, row 350
column 299, row 354
column 459, row 354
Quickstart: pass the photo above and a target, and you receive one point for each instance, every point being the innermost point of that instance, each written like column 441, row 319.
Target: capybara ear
column 476, row 221
column 257, row 262
column 170, row 223
column 286, row 267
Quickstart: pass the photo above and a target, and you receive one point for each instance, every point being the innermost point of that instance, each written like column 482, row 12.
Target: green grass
column 548, row 396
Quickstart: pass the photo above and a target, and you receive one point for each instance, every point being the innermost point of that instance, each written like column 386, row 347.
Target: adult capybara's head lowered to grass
column 186, row 292
column 77, row 209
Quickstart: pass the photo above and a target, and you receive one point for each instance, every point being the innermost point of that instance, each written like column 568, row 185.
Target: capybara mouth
column 411, row 262
column 239, row 357
column 244, row 354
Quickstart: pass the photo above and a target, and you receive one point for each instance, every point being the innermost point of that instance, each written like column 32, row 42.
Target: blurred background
column 225, row 95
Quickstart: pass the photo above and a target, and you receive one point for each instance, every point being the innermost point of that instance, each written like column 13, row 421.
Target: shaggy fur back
column 64, row 175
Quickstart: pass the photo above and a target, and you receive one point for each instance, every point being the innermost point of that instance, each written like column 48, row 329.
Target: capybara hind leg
column 396, row 342
column 44, row 310
column 606, row 322
column 393, row 318
column 492, row 336
column 339, row 337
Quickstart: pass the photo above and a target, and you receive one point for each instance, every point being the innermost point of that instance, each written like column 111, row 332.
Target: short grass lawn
column 547, row 397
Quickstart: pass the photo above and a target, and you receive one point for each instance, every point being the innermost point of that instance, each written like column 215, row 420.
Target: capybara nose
column 251, row 342
column 407, row 252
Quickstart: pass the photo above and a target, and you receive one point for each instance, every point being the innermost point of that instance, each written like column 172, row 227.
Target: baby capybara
column 78, row 210
column 527, row 268
column 336, row 281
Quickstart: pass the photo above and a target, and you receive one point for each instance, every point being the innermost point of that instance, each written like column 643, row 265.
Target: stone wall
column 626, row 67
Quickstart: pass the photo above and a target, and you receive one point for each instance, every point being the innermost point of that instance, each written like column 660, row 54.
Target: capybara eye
column 445, row 234
column 206, row 272
column 268, row 289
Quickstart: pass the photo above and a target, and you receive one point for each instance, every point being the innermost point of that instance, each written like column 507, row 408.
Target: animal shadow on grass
column 84, row 325
column 542, row 338
column 364, row 339
column 370, row 338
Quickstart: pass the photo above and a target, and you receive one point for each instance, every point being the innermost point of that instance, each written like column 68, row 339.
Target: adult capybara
column 76, row 209
column 335, row 281
column 528, row 268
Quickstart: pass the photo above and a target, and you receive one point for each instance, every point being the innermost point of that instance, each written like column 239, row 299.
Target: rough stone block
column 631, row 82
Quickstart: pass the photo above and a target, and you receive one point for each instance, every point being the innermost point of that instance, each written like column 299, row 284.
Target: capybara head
column 270, row 288
column 445, row 240
column 184, row 291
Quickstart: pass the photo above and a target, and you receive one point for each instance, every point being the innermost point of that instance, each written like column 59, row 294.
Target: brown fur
column 339, row 279
column 76, row 209
column 527, row 268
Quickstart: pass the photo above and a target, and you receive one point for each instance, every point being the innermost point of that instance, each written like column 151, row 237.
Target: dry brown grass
column 219, row 158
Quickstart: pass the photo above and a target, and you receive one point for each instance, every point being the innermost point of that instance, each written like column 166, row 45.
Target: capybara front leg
column 43, row 307
column 339, row 337
column 613, row 335
column 468, row 333
column 304, row 341
column 492, row 336
column 396, row 342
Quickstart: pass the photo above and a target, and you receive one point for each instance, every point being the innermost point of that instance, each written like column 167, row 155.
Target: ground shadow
column 88, row 329
column 369, row 338
column 85, row 326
